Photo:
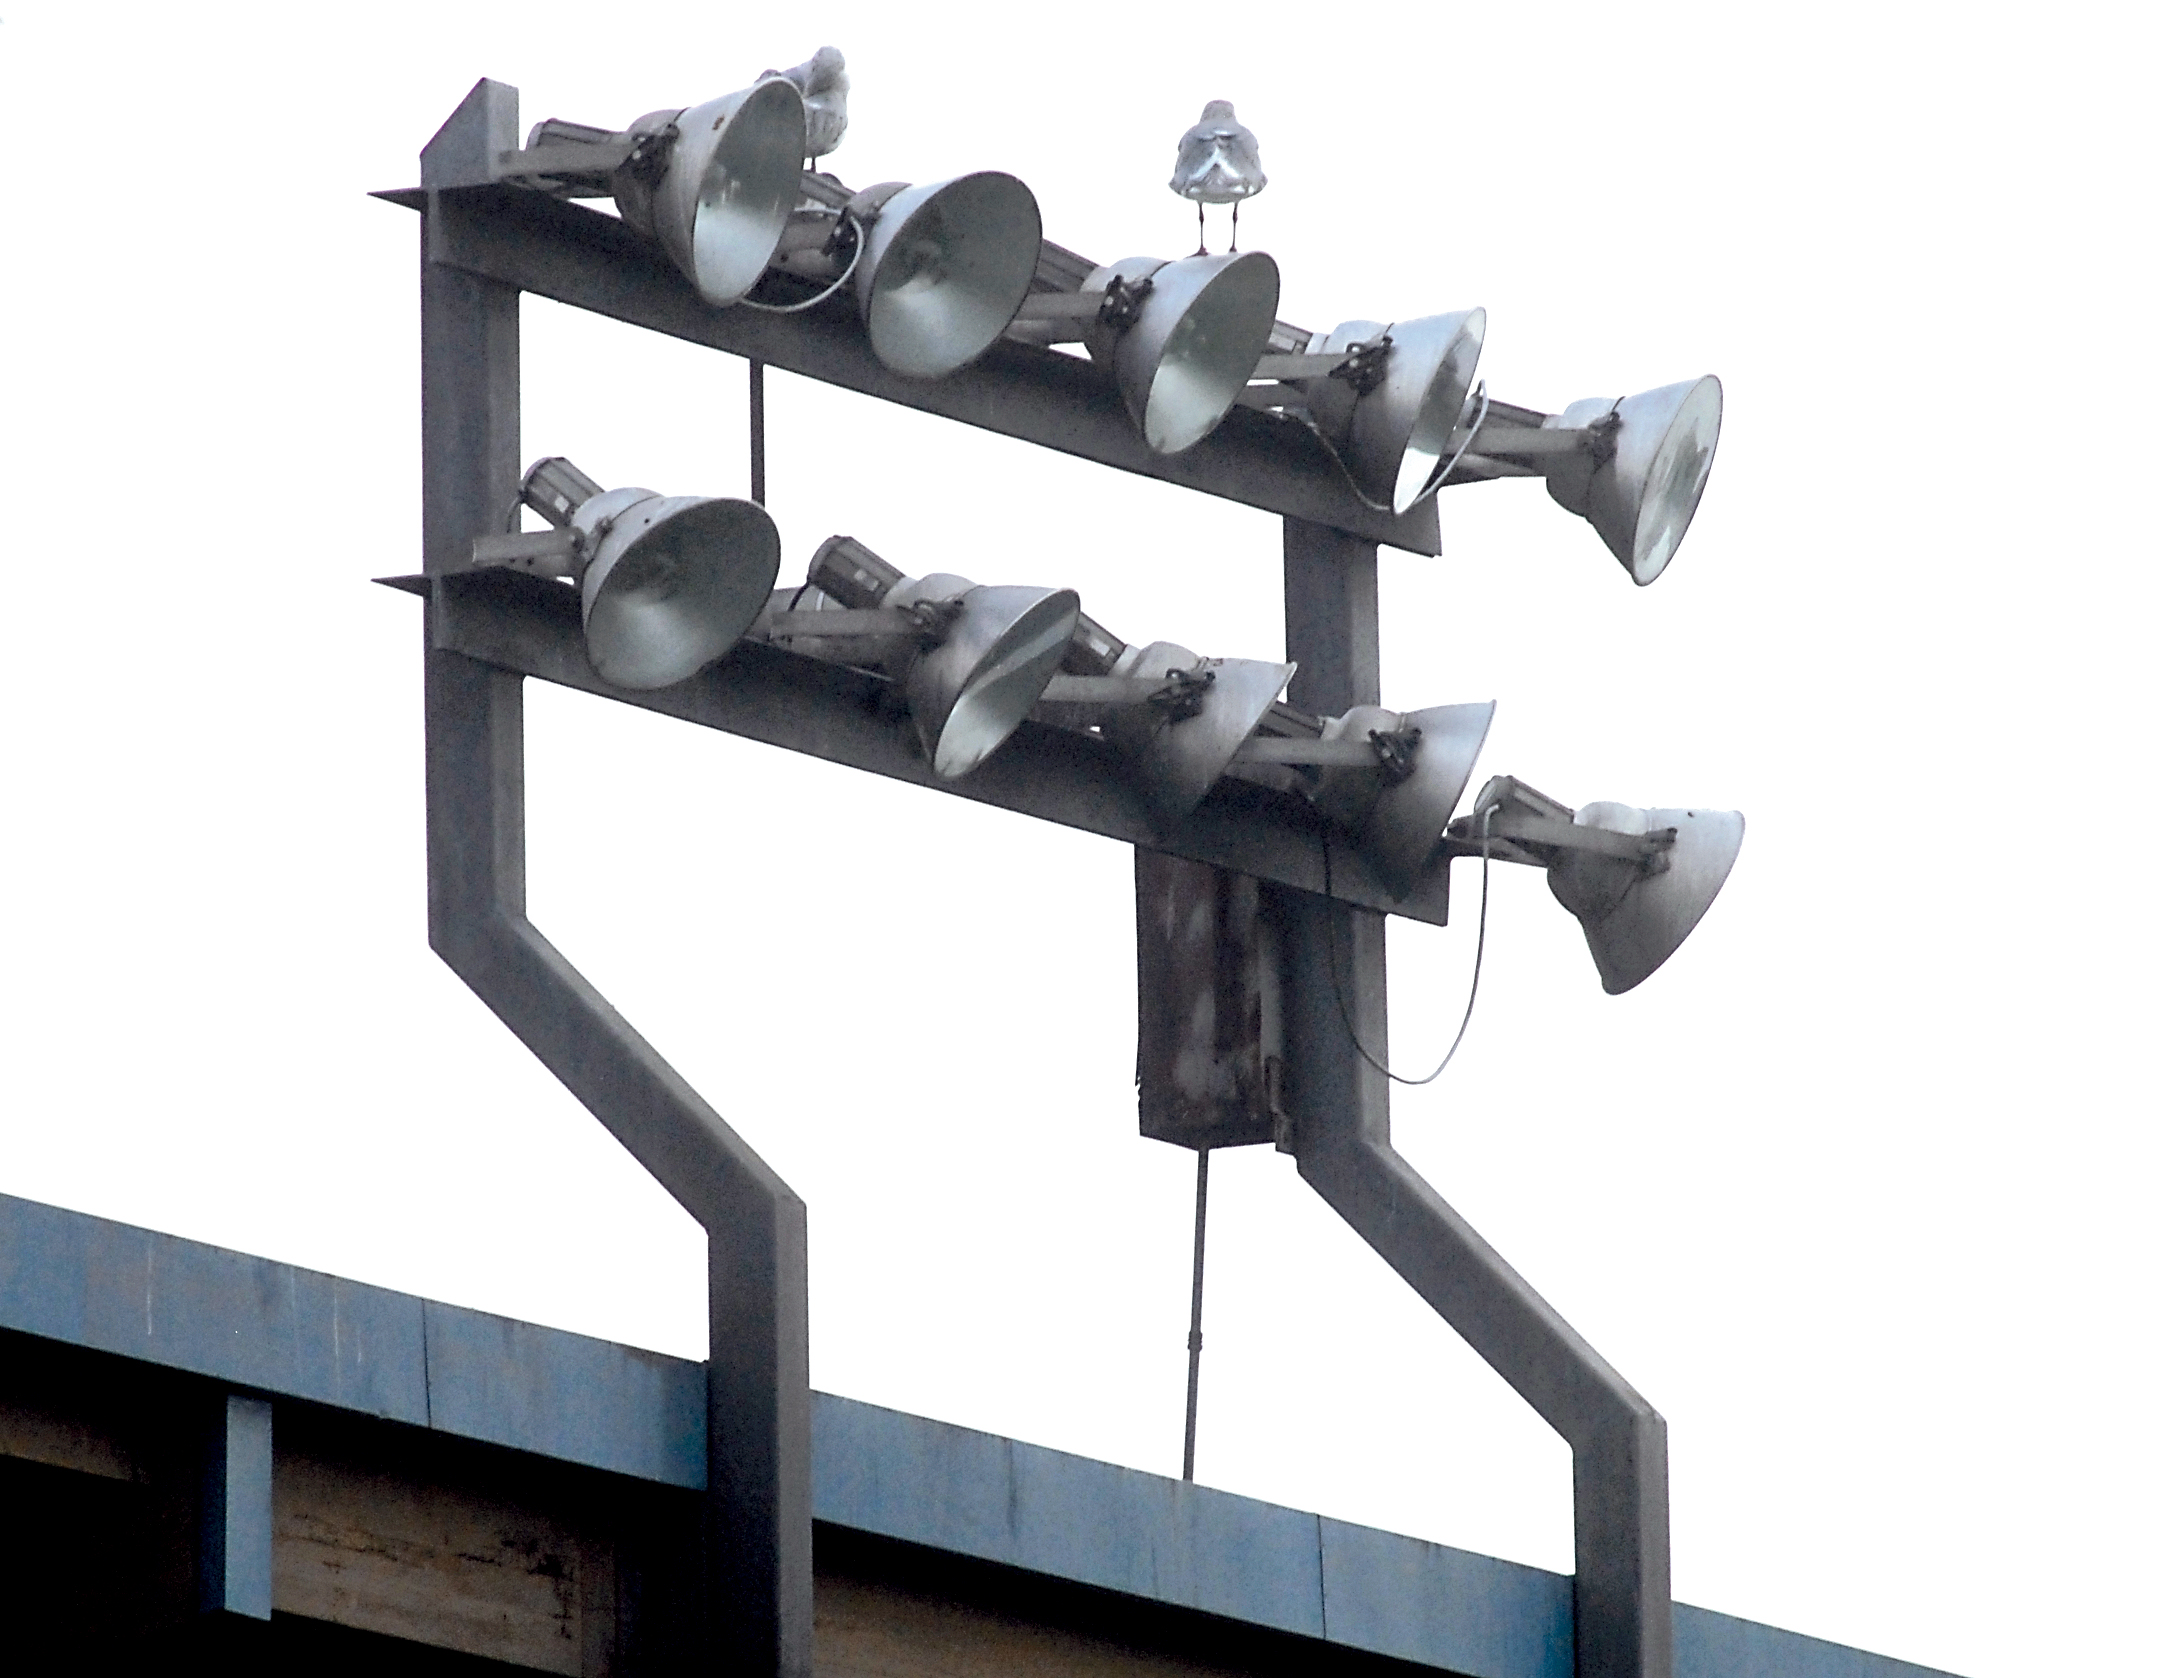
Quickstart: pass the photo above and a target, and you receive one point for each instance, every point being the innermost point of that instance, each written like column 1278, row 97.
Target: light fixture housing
column 1638, row 881
column 1397, row 803
column 1635, row 916
column 971, row 660
column 944, row 269
column 1185, row 351
column 667, row 583
column 714, row 184
column 1179, row 753
column 1392, row 424
column 1641, row 489
column 1178, row 720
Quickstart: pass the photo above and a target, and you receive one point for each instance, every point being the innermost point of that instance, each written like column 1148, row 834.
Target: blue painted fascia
column 278, row 1330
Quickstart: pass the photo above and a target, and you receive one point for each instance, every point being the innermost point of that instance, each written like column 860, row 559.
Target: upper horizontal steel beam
column 589, row 260
column 521, row 623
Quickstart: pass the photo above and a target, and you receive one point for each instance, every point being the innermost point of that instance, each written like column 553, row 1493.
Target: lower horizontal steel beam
column 531, row 626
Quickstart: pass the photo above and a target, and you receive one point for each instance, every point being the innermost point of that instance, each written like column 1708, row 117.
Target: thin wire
column 1482, row 395
column 1474, row 983
column 1436, row 479
column 857, row 250
column 1317, row 432
column 1196, row 1317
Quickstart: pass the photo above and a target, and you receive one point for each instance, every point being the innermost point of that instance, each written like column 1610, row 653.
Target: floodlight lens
column 1676, row 478
column 1209, row 355
column 747, row 189
column 950, row 276
column 1007, row 683
column 695, row 575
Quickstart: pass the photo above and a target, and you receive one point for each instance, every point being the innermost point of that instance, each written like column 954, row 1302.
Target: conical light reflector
column 969, row 693
column 977, row 660
column 1194, row 341
column 1643, row 497
column 673, row 583
column 1179, row 752
column 1635, row 918
column 718, row 195
column 1397, row 815
column 945, row 269
column 1394, row 436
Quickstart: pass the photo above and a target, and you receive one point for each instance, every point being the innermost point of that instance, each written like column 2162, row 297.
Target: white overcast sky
column 1860, row 1190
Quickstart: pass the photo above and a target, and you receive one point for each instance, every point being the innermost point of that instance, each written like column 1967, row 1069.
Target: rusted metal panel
column 866, row 1629
column 1207, row 1006
column 443, row 1565
column 60, row 1437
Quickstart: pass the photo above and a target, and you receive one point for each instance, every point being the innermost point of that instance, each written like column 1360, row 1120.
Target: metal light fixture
column 1389, row 778
column 1182, row 338
column 971, row 660
column 667, row 583
column 1638, row 881
column 944, row 267
column 714, row 184
column 1640, row 490
column 1176, row 718
column 1389, row 409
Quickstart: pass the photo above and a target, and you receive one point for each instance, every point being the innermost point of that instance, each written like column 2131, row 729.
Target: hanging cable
column 1196, row 1317
column 1436, row 479
column 1474, row 984
column 857, row 250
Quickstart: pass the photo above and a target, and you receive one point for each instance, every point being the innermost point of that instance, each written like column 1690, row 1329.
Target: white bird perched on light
column 1217, row 163
column 827, row 93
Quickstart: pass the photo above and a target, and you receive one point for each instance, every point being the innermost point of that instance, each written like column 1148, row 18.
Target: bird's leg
column 1200, row 227
column 1234, row 238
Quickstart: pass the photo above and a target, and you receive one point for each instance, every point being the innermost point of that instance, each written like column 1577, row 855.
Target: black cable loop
column 857, row 250
column 1474, row 983
column 1437, row 478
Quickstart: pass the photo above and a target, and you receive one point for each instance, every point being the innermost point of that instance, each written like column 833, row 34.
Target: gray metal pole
column 756, row 425
column 1341, row 1113
column 759, row 1436
column 1196, row 1316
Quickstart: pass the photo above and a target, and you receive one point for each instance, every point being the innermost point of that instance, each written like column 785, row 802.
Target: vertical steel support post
column 234, row 1543
column 758, row 1530
column 1340, row 1107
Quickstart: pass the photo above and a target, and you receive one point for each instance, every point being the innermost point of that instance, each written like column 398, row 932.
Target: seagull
column 1217, row 163
column 827, row 90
